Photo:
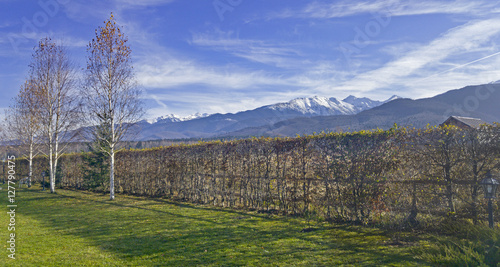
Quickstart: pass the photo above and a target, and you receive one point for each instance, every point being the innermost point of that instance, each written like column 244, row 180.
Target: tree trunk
column 449, row 191
column 56, row 159
column 474, row 194
column 51, row 168
column 53, row 171
column 30, row 165
column 112, row 174
column 412, row 218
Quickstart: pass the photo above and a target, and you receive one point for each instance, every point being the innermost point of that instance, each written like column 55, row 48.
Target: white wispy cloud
column 452, row 47
column 222, row 89
column 159, row 68
column 459, row 66
column 265, row 52
column 166, row 73
column 91, row 10
column 85, row 12
column 393, row 7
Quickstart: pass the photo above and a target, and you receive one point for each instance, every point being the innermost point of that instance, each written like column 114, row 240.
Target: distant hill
column 480, row 101
column 316, row 114
column 204, row 126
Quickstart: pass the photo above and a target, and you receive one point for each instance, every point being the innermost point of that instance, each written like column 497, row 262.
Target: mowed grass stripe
column 38, row 244
column 73, row 228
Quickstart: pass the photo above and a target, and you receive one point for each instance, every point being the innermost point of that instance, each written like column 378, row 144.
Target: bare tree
column 111, row 96
column 442, row 148
column 23, row 124
column 53, row 80
column 481, row 150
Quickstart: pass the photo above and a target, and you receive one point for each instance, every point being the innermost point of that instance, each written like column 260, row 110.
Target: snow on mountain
column 195, row 116
column 315, row 106
column 394, row 97
column 169, row 118
column 322, row 106
column 362, row 103
column 307, row 106
column 177, row 118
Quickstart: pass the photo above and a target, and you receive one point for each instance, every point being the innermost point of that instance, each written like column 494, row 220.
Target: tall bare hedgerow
column 398, row 175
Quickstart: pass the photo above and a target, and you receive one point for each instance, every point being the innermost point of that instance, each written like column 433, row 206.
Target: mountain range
column 176, row 118
column 316, row 114
column 204, row 125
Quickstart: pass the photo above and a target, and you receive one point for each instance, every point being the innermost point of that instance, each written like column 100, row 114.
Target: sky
column 225, row 56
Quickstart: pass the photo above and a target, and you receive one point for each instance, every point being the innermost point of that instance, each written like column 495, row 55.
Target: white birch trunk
column 55, row 171
column 51, row 167
column 112, row 174
column 30, row 164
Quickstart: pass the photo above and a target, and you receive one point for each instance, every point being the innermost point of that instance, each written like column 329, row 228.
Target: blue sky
column 231, row 55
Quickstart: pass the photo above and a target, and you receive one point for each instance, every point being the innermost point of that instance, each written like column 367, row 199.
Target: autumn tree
column 53, row 79
column 23, row 124
column 111, row 96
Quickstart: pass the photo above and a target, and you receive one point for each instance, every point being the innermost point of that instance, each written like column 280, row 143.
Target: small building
column 464, row 122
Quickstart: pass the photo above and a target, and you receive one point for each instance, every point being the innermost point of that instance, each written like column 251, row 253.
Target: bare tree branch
column 53, row 80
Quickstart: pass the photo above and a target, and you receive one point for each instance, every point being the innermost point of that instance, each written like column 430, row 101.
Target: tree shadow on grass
column 196, row 206
column 162, row 232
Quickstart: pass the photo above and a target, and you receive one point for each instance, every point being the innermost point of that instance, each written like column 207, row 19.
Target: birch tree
column 53, row 80
column 111, row 96
column 23, row 124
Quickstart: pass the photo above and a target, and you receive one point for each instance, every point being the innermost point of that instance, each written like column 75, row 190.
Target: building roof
column 469, row 122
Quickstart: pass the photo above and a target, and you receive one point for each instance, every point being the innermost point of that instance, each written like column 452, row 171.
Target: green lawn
column 73, row 228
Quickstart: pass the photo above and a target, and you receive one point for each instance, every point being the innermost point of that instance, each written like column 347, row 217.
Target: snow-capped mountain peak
column 195, row 116
column 394, row 97
column 362, row 103
column 177, row 118
column 314, row 106
column 303, row 106
column 169, row 118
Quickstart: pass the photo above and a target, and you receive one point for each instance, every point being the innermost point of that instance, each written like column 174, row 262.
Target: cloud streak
column 462, row 65
column 320, row 10
column 273, row 54
column 459, row 40
column 175, row 73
